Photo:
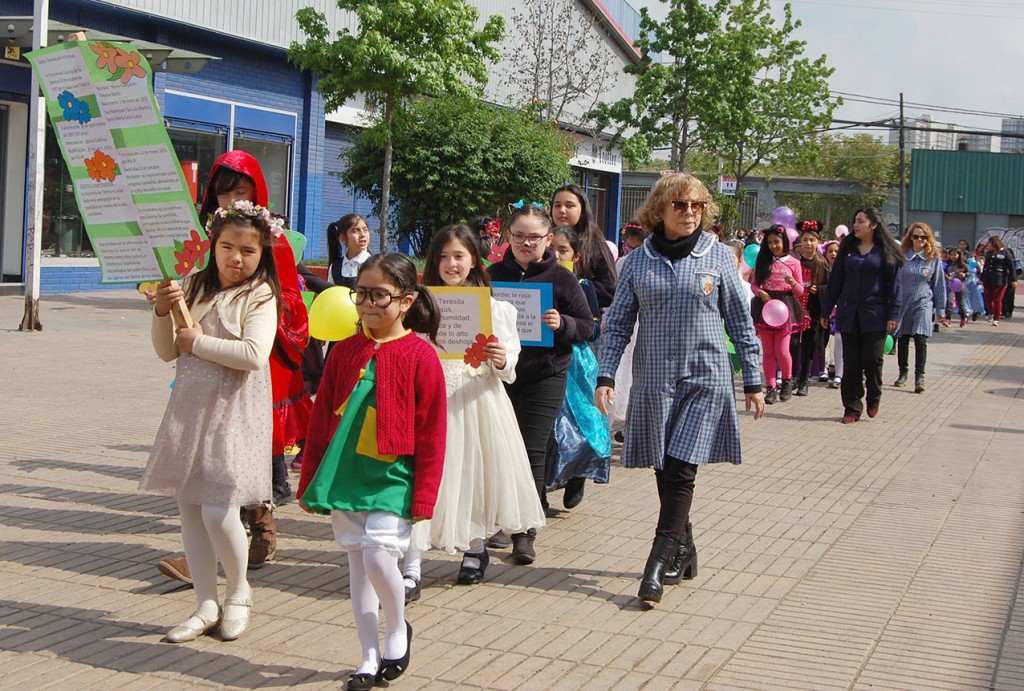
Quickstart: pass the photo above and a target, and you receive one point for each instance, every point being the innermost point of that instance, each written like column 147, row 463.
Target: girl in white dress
column 487, row 483
column 211, row 449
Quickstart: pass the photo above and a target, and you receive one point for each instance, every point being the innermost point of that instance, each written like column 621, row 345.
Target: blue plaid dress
column 682, row 401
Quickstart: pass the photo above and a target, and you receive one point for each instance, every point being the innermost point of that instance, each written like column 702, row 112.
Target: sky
column 962, row 54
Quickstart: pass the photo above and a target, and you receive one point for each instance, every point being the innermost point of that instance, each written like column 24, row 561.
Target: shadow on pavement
column 117, row 471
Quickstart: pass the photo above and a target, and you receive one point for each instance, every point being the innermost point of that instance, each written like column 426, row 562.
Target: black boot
column 918, row 383
column 901, row 380
column 771, row 395
column 801, row 388
column 786, row 392
column 652, row 583
column 685, row 563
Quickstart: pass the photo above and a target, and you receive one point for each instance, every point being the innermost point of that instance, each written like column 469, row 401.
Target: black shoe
column 801, row 388
column 771, row 396
column 574, row 492
column 919, row 383
column 786, row 392
column 974, row 316
column 365, row 682
column 684, row 565
column 523, row 551
column 282, row 494
column 412, row 593
column 619, row 436
column 469, row 575
column 652, row 585
column 901, row 380
column 392, row 669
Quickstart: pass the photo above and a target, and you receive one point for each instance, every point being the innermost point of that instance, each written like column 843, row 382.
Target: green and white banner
column 129, row 185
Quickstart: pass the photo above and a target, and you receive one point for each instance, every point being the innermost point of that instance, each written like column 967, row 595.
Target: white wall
column 14, row 188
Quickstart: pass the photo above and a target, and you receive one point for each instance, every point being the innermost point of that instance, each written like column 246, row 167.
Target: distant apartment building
column 924, row 133
column 1014, row 143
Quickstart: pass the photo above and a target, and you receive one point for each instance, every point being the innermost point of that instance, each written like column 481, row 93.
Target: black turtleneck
column 674, row 249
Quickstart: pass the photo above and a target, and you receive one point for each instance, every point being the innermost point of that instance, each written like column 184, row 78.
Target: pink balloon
column 793, row 237
column 775, row 313
column 614, row 249
column 842, row 231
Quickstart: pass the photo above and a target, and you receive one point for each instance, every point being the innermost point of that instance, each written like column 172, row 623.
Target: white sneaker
column 835, row 383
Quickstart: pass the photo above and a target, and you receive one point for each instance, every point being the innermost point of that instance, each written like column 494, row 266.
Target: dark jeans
column 537, row 404
column 920, row 353
column 862, row 363
column 675, row 492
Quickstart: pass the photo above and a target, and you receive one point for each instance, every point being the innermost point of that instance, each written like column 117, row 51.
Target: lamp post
column 36, row 151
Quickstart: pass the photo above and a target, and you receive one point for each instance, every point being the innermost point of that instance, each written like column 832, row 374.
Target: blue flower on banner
column 82, row 113
column 67, row 101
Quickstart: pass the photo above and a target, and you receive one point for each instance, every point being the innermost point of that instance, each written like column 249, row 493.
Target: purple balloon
column 956, row 285
column 793, row 236
column 784, row 216
column 775, row 313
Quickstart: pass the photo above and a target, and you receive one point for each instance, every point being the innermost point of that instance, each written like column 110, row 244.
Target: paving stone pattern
column 882, row 555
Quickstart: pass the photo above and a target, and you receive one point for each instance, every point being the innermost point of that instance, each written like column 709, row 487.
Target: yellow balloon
column 333, row 316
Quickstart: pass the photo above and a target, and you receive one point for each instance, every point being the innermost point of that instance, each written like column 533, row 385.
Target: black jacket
column 577, row 326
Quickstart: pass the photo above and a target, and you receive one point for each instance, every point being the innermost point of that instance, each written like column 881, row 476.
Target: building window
column 275, row 156
column 199, row 148
column 63, row 231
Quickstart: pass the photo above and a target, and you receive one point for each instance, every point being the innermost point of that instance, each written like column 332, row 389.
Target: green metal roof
column 967, row 181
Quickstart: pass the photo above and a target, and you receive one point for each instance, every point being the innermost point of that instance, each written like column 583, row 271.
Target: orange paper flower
column 105, row 54
column 475, row 355
column 101, row 167
column 131, row 62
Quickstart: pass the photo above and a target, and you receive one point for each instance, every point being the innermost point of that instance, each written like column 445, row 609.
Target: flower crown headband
column 243, row 208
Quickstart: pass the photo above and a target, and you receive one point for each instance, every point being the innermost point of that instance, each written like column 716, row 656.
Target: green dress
column 353, row 475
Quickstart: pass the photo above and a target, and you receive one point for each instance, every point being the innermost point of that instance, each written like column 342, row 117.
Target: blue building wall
column 339, row 199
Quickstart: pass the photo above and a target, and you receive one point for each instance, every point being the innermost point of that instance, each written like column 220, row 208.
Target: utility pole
column 903, row 170
column 36, row 146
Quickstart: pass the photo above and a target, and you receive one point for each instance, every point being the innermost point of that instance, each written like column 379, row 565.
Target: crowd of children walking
column 405, row 452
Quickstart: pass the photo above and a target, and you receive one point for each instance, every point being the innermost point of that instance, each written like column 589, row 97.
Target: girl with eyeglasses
column 375, row 451
column 539, row 388
column 923, row 285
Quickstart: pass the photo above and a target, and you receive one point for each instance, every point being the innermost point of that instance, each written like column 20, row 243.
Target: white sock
column 202, row 561
column 382, row 571
column 476, row 545
column 364, row 607
column 413, row 564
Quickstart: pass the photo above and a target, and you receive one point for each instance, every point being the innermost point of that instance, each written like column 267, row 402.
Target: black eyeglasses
column 379, row 297
column 681, row 205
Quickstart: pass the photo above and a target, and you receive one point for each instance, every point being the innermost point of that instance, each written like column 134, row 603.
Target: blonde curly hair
column 672, row 187
column 931, row 250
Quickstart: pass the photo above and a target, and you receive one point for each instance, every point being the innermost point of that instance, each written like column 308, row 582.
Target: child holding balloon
column 956, row 274
column 777, row 311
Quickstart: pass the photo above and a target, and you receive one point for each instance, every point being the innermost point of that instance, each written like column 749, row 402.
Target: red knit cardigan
column 412, row 408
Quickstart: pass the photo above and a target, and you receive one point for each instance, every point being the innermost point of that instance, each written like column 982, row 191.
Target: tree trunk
column 385, row 186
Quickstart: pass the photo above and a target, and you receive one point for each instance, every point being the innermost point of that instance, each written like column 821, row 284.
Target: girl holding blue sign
column 539, row 388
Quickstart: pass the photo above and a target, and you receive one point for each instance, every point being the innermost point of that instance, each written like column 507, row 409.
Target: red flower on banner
column 131, row 62
column 198, row 246
column 187, row 261
column 101, row 167
column 475, row 355
column 105, row 54
column 497, row 252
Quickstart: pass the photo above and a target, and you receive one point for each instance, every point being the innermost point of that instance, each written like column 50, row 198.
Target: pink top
column 776, row 281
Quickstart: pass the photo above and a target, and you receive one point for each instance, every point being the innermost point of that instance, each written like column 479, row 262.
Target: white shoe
column 230, row 629
column 185, row 633
column 835, row 383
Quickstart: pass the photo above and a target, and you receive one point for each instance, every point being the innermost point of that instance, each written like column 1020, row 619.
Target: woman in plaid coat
column 681, row 287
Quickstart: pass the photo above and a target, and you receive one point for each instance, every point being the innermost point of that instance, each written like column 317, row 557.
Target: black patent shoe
column 412, row 593
column 469, row 575
column 392, row 669
column 574, row 490
column 365, row 682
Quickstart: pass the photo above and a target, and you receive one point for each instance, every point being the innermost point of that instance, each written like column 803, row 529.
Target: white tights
column 210, row 533
column 374, row 580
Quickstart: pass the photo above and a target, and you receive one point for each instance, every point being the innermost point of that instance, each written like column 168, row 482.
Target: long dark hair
column 224, row 180
column 763, row 265
column 892, row 253
column 424, row 316
column 478, row 277
column 203, row 285
column 339, row 227
column 572, row 237
column 593, row 249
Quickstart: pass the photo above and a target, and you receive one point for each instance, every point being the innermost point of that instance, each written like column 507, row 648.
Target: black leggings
column 920, row 353
column 675, row 491
column 537, row 404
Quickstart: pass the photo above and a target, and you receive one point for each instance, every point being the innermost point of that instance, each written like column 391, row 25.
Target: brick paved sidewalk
column 885, row 554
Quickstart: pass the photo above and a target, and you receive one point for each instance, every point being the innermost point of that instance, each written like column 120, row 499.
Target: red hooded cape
column 291, row 403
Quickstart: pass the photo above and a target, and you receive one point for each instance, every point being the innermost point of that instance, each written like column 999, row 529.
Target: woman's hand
column 187, row 337
column 757, row 399
column 495, row 352
column 552, row 319
column 824, row 323
column 166, row 296
column 763, row 296
column 604, row 396
column 813, row 289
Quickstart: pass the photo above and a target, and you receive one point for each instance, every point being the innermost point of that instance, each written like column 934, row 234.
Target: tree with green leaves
column 459, row 158
column 401, row 49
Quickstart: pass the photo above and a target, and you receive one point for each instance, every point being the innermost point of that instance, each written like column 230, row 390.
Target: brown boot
column 264, row 535
column 176, row 568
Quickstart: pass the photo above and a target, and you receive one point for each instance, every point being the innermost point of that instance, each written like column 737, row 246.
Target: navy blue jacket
column 865, row 295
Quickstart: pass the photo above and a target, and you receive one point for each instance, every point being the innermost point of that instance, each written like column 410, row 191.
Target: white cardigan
column 254, row 324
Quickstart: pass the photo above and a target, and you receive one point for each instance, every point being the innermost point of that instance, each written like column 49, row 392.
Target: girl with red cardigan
column 375, row 451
